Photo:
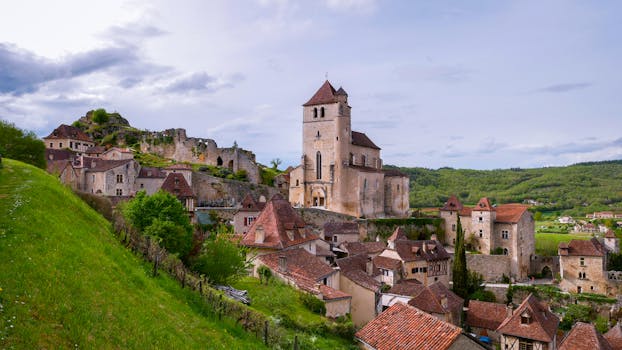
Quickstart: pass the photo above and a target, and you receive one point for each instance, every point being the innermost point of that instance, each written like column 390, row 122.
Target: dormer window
column 525, row 318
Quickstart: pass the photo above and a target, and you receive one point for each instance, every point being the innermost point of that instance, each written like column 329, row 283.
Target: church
column 340, row 169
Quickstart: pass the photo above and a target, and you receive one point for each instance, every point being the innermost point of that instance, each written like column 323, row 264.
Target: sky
column 463, row 84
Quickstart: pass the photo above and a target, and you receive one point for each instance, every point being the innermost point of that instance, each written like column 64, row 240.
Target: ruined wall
column 491, row 267
column 214, row 191
column 174, row 144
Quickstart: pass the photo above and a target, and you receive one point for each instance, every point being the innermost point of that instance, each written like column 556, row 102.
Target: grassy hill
column 66, row 283
column 575, row 189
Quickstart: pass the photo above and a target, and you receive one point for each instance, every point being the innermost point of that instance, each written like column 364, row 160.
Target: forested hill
column 574, row 189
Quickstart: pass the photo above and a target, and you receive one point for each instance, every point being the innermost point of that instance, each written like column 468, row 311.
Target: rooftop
column 542, row 323
column 482, row 314
column 583, row 336
column 68, row 132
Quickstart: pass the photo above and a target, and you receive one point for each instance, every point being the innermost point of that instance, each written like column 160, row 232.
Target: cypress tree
column 459, row 268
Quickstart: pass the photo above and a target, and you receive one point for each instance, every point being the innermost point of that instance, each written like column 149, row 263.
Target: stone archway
column 219, row 161
column 546, row 272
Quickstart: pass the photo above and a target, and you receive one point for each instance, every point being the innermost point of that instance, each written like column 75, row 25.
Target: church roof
column 360, row 139
column 325, row 94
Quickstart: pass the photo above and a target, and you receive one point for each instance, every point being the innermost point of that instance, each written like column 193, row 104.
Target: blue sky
column 464, row 84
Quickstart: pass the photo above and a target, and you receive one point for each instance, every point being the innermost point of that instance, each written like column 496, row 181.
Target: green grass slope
column 575, row 189
column 66, row 283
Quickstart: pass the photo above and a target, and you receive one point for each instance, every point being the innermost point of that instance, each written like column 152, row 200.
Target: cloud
column 561, row 88
column 22, row 71
column 201, row 82
column 440, row 73
column 569, row 148
column 357, row 6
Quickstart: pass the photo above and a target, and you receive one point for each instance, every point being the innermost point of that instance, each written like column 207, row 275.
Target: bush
column 483, row 295
column 21, row 145
column 312, row 303
column 220, row 260
column 100, row 116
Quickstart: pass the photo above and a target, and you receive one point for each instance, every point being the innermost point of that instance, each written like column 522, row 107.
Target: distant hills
column 575, row 189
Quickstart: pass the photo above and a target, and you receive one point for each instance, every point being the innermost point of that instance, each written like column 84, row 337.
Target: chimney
column 282, row 264
column 510, row 310
column 369, row 267
column 444, row 301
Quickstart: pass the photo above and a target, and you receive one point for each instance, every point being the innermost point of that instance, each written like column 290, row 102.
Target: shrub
column 21, row 145
column 312, row 303
column 100, row 116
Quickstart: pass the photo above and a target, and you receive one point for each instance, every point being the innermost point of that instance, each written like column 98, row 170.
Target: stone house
column 308, row 273
column 404, row 327
column 583, row 266
column 436, row 299
column 150, row 180
column 109, row 177
column 247, row 214
column 507, row 229
column 584, row 336
column 341, row 169
column 357, row 279
column 337, row 233
column 68, row 137
column 484, row 318
column 184, row 169
column 531, row 326
column 175, row 184
column 424, row 260
column 116, row 153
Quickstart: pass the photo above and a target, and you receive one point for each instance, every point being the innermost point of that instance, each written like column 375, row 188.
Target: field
column 66, row 282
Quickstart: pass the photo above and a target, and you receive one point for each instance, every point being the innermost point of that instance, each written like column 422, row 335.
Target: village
column 339, row 227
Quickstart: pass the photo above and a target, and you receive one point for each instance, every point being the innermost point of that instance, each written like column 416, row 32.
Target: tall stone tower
column 483, row 221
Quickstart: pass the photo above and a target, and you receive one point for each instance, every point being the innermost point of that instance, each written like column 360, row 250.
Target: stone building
column 531, row 326
column 583, row 266
column 247, row 214
column 507, row 229
column 341, row 169
column 68, row 137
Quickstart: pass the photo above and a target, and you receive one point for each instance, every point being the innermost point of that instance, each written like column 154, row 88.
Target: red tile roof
column 583, row 336
column 155, row 173
column 355, row 248
column 303, row 267
column 340, row 228
column 68, row 132
column 57, row 166
column 324, row 95
column 428, row 299
column 453, row 203
column 407, row 287
column 543, row 325
column 483, row 205
column 281, row 225
column 482, row 314
column 330, row 293
column 610, row 234
column 95, row 150
column 177, row 185
column 583, row 248
column 410, row 250
column 404, row 327
column 355, row 269
column 360, row 139
column 250, row 204
column 398, row 234
column 614, row 337
column 510, row 213
column 99, row 165
column 386, row 263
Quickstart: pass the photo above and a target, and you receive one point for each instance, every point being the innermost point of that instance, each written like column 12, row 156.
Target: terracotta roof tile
column 407, row 287
column 398, row 234
column 355, row 248
column 179, row 166
column 330, row 293
column 486, row 315
column 57, row 166
column 95, row 150
column 250, row 204
column 155, row 173
column 583, row 336
column 543, row 325
column 578, row 247
column 360, row 139
column 341, row 91
column 483, row 205
column 98, row 165
column 325, row 94
column 453, row 203
column 428, row 299
column 410, row 250
column 355, row 269
column 386, row 263
column 302, row 266
column 614, row 337
column 610, row 234
column 177, row 185
column 342, row 228
column 281, row 225
column 510, row 213
column 68, row 132
column 404, row 327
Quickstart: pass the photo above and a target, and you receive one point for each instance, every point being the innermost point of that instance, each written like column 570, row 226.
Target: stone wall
column 174, row 144
column 214, row 191
column 491, row 267
column 539, row 265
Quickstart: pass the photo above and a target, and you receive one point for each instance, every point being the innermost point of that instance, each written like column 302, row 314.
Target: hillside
column 65, row 282
column 575, row 189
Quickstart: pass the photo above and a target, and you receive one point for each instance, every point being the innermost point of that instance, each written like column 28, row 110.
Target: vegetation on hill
column 21, row 145
column 574, row 190
column 66, row 282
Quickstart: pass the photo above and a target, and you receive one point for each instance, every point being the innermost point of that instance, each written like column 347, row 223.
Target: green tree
column 459, row 268
column 21, row 145
column 221, row 260
column 265, row 274
column 574, row 313
column 100, row 116
column 161, row 215
column 275, row 163
column 537, row 216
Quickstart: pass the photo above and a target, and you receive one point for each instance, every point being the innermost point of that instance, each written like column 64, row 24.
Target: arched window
column 315, row 112
column 318, row 134
column 322, row 112
column 505, row 251
column 318, row 163
column 219, row 161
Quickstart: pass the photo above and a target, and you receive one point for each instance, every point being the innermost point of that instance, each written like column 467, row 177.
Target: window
column 415, row 270
column 481, row 219
column 318, row 163
column 364, row 160
column 297, row 182
column 505, row 234
column 582, row 275
column 335, row 238
column 70, row 144
column 60, row 145
column 481, row 233
column 453, row 227
column 142, row 185
column 119, row 192
column 525, row 344
column 51, row 144
column 317, row 136
column 315, row 112
column 582, row 261
column 505, row 251
column 424, row 269
column 324, row 281
column 364, row 184
column 385, row 272
column 119, row 178
column 322, row 112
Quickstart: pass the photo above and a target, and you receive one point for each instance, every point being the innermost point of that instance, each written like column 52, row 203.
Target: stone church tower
column 340, row 169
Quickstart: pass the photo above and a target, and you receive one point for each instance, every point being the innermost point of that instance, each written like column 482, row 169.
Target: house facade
column 507, row 229
column 68, row 137
column 357, row 279
column 246, row 215
column 341, row 169
column 583, row 266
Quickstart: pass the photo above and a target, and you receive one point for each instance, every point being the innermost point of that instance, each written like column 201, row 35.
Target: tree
column 220, row 260
column 265, row 274
column 537, row 216
column 21, row 145
column 100, row 116
column 459, row 268
column 275, row 163
column 574, row 313
column 161, row 215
